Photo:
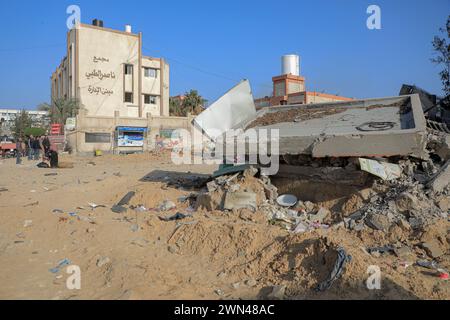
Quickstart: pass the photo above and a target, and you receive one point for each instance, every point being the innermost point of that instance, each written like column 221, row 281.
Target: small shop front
column 130, row 139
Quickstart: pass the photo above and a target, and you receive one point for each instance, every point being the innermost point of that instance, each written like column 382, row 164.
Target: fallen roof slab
column 392, row 126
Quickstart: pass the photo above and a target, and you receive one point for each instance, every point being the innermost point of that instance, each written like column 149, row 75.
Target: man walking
column 19, row 151
column 30, row 147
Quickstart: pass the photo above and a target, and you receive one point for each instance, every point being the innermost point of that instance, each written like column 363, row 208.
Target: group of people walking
column 32, row 148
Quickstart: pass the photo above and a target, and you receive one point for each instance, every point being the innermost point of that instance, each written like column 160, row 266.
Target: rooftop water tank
column 290, row 64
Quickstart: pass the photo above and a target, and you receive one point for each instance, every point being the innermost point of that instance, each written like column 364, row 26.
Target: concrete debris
column 406, row 202
column 378, row 222
column 320, row 216
column 384, row 170
column 433, row 249
column 278, row 293
column 167, row 205
column 442, row 178
column 240, row 200
column 126, row 199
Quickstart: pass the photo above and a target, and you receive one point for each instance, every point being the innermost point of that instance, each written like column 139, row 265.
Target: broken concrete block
column 321, row 215
column 404, row 253
column 433, row 249
column 443, row 150
column 444, row 204
column 239, row 200
column 212, row 186
column 406, row 202
column 442, row 178
column 277, row 293
column 250, row 172
column 209, row 201
column 378, row 222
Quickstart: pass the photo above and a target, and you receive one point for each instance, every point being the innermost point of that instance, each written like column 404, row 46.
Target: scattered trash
column 118, row 209
column 31, row 204
column 287, row 200
column 126, row 199
column 383, row 249
column 219, row 292
column 28, row 223
column 177, row 216
column 384, row 170
column 427, row 264
column 339, row 265
column 167, row 205
column 94, row 206
column 102, row 261
column 140, row 242
column 62, row 263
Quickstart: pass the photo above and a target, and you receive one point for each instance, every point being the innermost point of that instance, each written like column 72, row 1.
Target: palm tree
column 63, row 109
column 175, row 107
column 193, row 102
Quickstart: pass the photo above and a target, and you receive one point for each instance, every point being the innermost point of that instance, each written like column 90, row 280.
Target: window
column 150, row 73
column 149, row 99
column 90, row 137
column 128, row 69
column 128, row 97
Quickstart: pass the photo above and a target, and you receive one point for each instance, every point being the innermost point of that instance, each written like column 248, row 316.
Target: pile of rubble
column 413, row 199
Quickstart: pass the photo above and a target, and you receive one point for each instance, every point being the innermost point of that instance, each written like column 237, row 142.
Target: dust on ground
column 208, row 253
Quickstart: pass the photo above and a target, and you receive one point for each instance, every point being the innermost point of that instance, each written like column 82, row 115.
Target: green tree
column 34, row 131
column 63, row 109
column 175, row 107
column 21, row 122
column 44, row 107
column 193, row 103
column 442, row 50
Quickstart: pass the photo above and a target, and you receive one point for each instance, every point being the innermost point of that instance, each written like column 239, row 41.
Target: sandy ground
column 135, row 255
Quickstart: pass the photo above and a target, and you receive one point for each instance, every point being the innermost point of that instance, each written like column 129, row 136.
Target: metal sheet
column 229, row 111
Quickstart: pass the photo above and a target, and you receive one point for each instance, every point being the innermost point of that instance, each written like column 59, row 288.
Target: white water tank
column 290, row 64
column 128, row 28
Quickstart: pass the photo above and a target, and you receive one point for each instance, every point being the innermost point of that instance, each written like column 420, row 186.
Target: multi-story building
column 7, row 117
column 289, row 87
column 106, row 71
column 123, row 94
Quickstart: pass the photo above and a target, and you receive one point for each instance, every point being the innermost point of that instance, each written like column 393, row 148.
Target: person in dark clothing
column 53, row 156
column 36, row 147
column 19, row 151
column 46, row 144
column 30, row 151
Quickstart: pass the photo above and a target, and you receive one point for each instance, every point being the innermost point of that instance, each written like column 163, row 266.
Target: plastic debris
column 177, row 216
column 62, row 263
column 287, row 200
column 338, row 268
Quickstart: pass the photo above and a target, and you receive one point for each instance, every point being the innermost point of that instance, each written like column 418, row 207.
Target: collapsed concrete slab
column 371, row 127
column 390, row 126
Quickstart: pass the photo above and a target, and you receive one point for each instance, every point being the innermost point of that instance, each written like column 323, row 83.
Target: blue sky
column 211, row 45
